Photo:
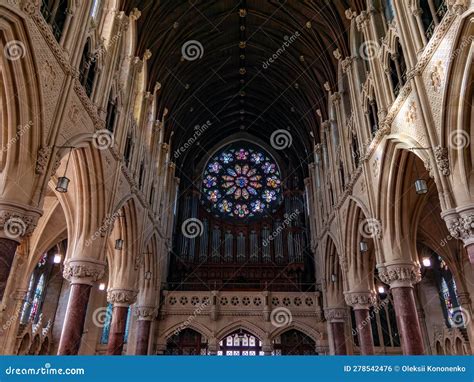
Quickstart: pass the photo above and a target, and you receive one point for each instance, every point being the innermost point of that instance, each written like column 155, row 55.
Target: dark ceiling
column 229, row 84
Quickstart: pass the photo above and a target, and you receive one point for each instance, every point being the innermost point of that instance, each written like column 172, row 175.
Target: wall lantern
column 363, row 246
column 63, row 181
column 119, row 244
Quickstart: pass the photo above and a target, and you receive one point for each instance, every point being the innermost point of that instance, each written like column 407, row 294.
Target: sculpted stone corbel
column 145, row 313
column 335, row 314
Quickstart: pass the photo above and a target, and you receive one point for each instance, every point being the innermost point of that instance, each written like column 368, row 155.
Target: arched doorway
column 240, row 342
column 294, row 342
column 186, row 342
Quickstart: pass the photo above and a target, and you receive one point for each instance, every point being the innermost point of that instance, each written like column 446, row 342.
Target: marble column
column 121, row 300
column 7, row 253
column 145, row 317
column 407, row 320
column 364, row 331
column 361, row 303
column 401, row 278
column 336, row 318
column 117, row 330
column 81, row 274
column 74, row 321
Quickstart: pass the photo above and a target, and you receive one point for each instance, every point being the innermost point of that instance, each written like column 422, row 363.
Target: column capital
column 400, row 274
column 360, row 300
column 145, row 313
column 83, row 271
column 335, row 314
column 17, row 221
column 460, row 224
column 121, row 297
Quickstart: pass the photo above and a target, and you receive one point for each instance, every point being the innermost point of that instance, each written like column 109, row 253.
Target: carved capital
column 122, row 297
column 335, row 314
column 17, row 221
column 400, row 275
column 145, row 313
column 83, row 271
column 462, row 227
column 360, row 300
column 457, row 6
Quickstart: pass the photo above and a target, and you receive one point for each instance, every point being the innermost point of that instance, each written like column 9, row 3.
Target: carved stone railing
column 302, row 304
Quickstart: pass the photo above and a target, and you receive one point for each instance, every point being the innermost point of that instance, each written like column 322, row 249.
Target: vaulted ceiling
column 233, row 84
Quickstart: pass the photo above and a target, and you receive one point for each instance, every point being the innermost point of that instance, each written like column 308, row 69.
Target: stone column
column 7, row 252
column 267, row 347
column 461, row 226
column 81, row 274
column 121, row 300
column 212, row 346
column 145, row 316
column 401, row 278
column 15, row 224
column 336, row 318
column 361, row 303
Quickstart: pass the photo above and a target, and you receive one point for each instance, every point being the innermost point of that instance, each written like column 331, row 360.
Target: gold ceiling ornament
column 242, row 12
column 242, row 44
column 242, row 71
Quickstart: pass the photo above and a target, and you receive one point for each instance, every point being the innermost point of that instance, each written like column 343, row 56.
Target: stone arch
column 196, row 326
column 458, row 114
column 360, row 228
column 242, row 324
column 397, row 194
column 22, row 124
column 334, row 280
column 123, row 270
column 300, row 326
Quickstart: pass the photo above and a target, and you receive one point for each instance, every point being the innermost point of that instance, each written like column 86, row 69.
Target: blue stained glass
column 104, row 338
column 127, row 326
column 241, row 182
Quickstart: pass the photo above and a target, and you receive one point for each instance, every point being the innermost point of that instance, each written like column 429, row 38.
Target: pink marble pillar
column 74, row 321
column 117, row 330
column 364, row 331
column 338, row 337
column 143, row 337
column 407, row 320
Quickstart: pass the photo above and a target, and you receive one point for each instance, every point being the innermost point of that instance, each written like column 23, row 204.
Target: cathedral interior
column 236, row 177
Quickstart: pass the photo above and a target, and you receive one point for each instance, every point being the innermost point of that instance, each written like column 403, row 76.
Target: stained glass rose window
column 241, row 182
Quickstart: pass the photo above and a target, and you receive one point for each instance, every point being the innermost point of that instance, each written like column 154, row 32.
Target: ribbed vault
column 230, row 85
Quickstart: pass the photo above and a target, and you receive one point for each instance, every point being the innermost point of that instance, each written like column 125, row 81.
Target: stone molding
column 400, row 275
column 83, row 271
column 121, row 297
